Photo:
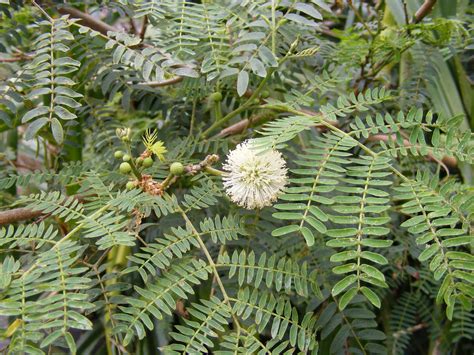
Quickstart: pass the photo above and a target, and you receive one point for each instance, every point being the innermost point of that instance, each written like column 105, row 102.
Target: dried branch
column 242, row 125
column 24, row 213
column 156, row 84
column 87, row 20
column 18, row 214
column 16, row 58
column 447, row 161
column 424, row 10
column 409, row 330
column 143, row 29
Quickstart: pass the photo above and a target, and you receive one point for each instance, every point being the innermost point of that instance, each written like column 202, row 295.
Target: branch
column 18, row 214
column 16, row 58
column 87, row 20
column 143, row 29
column 157, row 84
column 242, row 125
column 24, row 213
column 447, row 160
column 424, row 10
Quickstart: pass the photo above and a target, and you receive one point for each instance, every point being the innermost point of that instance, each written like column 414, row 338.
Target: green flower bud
column 126, row 157
column 147, row 162
column 177, row 168
column 125, row 168
column 118, row 154
column 216, row 96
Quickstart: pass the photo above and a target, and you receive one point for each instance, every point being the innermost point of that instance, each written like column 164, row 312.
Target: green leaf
column 51, row 338
column 343, row 284
column 308, row 236
column 285, row 230
column 376, row 258
column 347, row 297
column 372, row 272
column 38, row 111
column 428, row 252
column 344, row 256
column 57, row 130
column 63, row 113
column 309, row 10
column 371, row 296
column 34, row 127
column 242, row 82
column 70, row 343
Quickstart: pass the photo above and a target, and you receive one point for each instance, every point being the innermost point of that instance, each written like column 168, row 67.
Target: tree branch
column 16, row 58
column 242, row 125
column 448, row 161
column 18, row 214
column 87, row 20
column 424, row 10
column 24, row 213
column 156, row 84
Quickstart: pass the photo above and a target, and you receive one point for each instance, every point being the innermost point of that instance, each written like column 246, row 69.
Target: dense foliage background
column 105, row 250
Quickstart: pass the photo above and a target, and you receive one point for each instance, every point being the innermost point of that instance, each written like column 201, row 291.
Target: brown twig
column 242, row 125
column 361, row 19
column 24, row 213
column 405, row 11
column 87, row 20
column 16, row 58
column 18, row 214
column 156, row 84
column 143, row 29
column 446, row 161
column 134, row 27
column 424, row 10
column 409, row 330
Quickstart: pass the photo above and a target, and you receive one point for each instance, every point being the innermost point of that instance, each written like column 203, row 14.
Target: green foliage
column 49, row 70
column 367, row 249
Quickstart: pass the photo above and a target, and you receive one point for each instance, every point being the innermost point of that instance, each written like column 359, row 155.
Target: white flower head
column 254, row 179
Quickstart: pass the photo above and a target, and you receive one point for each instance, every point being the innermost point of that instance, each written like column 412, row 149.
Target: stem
column 341, row 132
column 361, row 19
column 41, row 9
column 238, row 110
column 217, row 111
column 12, row 142
column 193, row 118
column 213, row 267
column 87, row 20
column 166, row 182
column 274, row 27
column 213, row 171
column 424, row 10
column 68, row 236
column 135, row 171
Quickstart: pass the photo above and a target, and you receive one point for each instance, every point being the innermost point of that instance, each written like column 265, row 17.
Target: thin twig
column 16, row 58
column 361, row 19
column 42, row 10
column 87, row 20
column 144, row 26
column 446, row 162
column 213, row 267
column 156, row 84
column 18, row 214
column 405, row 10
column 424, row 10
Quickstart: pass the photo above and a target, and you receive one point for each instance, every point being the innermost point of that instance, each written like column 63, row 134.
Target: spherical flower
column 254, row 179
